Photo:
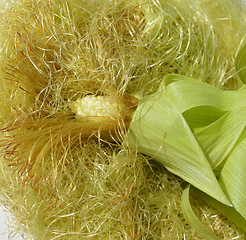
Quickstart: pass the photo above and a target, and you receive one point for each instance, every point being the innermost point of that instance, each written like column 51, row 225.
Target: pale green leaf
column 233, row 176
column 160, row 131
column 202, row 116
column 218, row 115
column 193, row 219
column 186, row 94
column 227, row 211
column 218, row 139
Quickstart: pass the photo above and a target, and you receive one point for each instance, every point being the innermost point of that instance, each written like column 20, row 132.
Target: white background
column 4, row 229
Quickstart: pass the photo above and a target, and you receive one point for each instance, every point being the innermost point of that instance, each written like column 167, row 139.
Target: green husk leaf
column 227, row 211
column 192, row 218
column 233, row 176
column 186, row 93
column 159, row 130
column 240, row 65
column 217, row 117
column 202, row 116
column 218, row 139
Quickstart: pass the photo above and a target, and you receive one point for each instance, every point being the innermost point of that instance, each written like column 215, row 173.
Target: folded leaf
column 186, row 93
column 202, row 116
column 218, row 139
column 228, row 211
column 233, row 176
column 192, row 218
column 159, row 130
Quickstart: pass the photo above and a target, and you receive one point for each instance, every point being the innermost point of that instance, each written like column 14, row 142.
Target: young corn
column 95, row 106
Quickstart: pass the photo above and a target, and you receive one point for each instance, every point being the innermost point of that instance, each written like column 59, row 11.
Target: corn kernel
column 91, row 106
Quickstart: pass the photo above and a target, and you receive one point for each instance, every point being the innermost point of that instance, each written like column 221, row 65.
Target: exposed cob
column 92, row 106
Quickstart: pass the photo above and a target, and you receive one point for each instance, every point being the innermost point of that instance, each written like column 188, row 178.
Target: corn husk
column 197, row 132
